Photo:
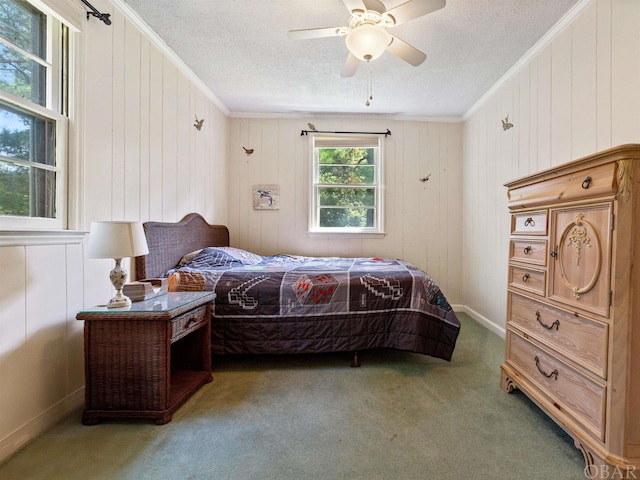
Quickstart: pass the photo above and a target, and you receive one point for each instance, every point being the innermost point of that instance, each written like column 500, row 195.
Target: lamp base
column 118, row 277
column 119, row 301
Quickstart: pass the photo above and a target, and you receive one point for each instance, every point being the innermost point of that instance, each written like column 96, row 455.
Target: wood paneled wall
column 577, row 95
column 140, row 158
column 423, row 220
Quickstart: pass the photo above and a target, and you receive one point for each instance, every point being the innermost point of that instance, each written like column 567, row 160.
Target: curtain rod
column 386, row 134
column 102, row 16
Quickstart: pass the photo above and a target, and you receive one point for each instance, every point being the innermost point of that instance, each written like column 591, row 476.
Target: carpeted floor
column 400, row 416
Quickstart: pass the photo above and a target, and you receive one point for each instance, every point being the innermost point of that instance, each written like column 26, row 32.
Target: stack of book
column 145, row 289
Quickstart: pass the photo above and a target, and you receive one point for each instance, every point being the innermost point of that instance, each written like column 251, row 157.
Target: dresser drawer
column 528, row 279
column 594, row 182
column 190, row 321
column 570, row 391
column 582, row 340
column 529, row 223
column 528, row 251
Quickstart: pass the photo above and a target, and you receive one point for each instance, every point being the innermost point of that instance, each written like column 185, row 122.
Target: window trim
column 61, row 152
column 55, row 42
column 353, row 141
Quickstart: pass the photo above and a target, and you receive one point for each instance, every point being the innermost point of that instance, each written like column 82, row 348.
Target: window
column 346, row 184
column 33, row 122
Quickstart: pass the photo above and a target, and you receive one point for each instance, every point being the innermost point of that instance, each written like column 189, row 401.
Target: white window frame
column 317, row 142
column 50, row 112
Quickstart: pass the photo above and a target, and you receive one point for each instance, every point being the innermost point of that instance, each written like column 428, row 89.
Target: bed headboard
column 168, row 242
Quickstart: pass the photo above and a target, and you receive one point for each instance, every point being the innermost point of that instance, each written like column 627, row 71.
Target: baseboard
column 29, row 431
column 481, row 319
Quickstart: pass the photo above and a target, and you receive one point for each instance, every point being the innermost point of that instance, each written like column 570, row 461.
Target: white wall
column 139, row 158
column 423, row 220
column 579, row 93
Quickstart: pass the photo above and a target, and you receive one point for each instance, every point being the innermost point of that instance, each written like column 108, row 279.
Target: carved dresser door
column 581, row 257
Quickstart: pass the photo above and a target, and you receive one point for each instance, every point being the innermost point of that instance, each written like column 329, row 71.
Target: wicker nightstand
column 146, row 361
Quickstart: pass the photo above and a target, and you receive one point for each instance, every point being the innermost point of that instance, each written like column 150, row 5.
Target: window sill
column 13, row 238
column 346, row 235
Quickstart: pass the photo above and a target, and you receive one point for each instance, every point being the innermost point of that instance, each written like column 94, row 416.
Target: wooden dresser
column 573, row 311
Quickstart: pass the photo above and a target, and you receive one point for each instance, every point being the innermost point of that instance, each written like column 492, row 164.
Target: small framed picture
column 266, row 197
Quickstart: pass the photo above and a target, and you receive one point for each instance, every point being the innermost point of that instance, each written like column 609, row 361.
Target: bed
column 284, row 304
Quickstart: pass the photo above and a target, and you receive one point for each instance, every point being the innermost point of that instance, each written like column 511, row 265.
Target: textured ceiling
column 241, row 51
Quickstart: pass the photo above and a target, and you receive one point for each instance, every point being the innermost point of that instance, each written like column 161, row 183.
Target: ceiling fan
column 366, row 31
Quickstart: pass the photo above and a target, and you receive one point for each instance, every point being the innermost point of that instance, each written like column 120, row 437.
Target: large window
column 33, row 123
column 346, row 190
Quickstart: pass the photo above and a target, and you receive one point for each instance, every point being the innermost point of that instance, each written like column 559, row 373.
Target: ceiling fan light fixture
column 367, row 42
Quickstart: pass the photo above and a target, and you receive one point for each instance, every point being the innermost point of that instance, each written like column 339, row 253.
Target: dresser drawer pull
column 529, row 222
column 587, row 182
column 555, row 324
column 525, row 277
column 548, row 375
column 527, row 250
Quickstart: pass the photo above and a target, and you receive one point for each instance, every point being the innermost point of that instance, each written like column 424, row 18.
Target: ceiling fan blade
column 414, row 9
column 316, row 33
column 354, row 5
column 406, row 52
column 375, row 5
column 350, row 66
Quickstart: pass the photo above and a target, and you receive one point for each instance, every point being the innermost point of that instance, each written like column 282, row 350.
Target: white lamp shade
column 367, row 42
column 117, row 240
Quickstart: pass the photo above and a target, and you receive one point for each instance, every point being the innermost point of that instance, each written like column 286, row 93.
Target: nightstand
column 146, row 360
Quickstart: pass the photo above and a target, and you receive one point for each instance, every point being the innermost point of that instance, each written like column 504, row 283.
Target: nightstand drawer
column 570, row 391
column 188, row 322
column 582, row 340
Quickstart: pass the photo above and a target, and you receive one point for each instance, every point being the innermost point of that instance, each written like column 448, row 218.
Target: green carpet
column 400, row 416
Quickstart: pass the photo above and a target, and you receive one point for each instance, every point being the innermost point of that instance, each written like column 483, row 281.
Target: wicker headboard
column 168, row 242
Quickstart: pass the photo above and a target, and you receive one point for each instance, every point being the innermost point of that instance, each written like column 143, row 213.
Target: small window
column 346, row 185
column 33, row 125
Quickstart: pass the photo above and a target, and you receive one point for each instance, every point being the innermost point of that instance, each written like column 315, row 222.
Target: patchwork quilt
column 297, row 304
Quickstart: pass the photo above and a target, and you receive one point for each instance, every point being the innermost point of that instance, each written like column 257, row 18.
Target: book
column 145, row 289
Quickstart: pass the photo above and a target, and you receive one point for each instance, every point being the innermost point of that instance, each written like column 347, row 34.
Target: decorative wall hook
column 506, row 124
column 198, row 123
column 248, row 151
column 102, row 16
column 425, row 179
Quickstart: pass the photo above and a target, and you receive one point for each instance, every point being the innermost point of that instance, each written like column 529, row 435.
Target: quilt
column 298, row 304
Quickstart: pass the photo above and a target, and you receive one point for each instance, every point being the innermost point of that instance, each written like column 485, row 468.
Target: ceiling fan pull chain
column 369, row 88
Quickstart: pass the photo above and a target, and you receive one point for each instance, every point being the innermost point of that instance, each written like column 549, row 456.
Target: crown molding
column 355, row 116
column 547, row 38
column 136, row 20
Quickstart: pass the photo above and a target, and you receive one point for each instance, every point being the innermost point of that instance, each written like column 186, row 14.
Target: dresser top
column 622, row 152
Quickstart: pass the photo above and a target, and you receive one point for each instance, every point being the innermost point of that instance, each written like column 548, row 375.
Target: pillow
column 188, row 256
column 215, row 257
column 245, row 257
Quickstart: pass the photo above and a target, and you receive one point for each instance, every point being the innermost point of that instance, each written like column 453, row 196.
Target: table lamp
column 117, row 240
